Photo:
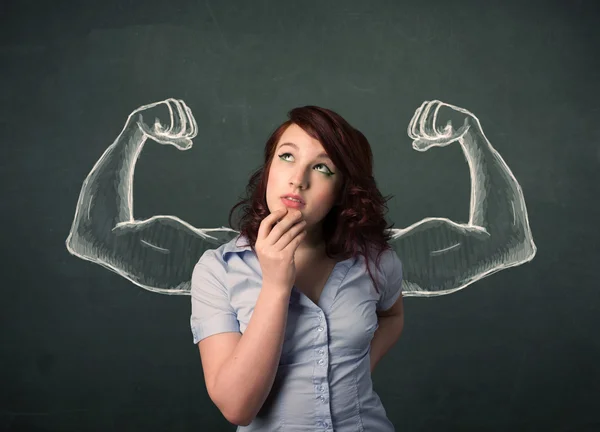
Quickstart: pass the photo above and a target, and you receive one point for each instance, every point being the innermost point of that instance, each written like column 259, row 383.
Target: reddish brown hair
column 356, row 224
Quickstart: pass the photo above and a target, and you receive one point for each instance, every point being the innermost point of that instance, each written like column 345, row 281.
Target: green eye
column 328, row 173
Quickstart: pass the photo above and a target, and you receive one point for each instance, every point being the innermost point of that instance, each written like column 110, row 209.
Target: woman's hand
column 275, row 246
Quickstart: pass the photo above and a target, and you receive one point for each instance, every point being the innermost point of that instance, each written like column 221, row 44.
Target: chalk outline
column 89, row 240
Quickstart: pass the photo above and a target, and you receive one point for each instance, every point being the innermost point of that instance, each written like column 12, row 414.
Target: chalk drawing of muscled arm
column 440, row 256
column 159, row 253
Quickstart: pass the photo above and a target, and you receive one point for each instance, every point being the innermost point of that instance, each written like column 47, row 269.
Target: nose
column 298, row 179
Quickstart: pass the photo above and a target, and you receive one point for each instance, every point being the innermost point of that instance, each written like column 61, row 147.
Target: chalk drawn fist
column 173, row 123
column 438, row 124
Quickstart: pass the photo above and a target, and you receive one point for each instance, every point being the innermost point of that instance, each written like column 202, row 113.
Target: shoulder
column 214, row 261
column 387, row 262
column 390, row 302
column 220, row 254
column 391, row 262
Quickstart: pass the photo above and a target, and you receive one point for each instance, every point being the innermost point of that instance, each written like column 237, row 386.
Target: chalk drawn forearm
column 441, row 256
column 157, row 254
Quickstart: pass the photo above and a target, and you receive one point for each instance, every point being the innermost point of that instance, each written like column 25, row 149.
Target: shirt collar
column 236, row 245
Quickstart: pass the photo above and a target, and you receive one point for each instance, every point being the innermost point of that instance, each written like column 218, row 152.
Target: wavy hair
column 356, row 224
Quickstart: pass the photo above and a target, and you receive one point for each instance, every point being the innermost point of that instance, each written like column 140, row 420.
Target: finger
column 180, row 124
column 291, row 219
column 434, row 120
column 147, row 106
column 447, row 130
column 193, row 126
column 171, row 119
column 441, row 132
column 180, row 143
column 290, row 236
column 266, row 224
column 162, row 128
column 412, row 126
column 426, row 121
column 422, row 145
column 298, row 239
column 290, row 214
column 183, row 125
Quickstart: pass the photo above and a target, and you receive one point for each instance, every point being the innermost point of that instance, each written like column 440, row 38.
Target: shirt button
column 322, row 399
column 321, row 352
column 321, row 362
column 320, row 328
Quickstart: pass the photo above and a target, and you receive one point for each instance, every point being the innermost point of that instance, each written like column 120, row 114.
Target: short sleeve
column 212, row 312
column 392, row 270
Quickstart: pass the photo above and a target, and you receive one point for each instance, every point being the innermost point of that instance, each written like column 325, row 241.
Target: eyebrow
column 320, row 156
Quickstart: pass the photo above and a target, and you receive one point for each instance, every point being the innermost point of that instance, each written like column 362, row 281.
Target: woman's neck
column 311, row 252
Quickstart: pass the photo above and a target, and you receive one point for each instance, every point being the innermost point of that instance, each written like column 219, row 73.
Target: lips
column 294, row 197
column 292, row 203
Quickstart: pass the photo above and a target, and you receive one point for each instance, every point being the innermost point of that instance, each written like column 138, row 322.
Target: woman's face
column 301, row 166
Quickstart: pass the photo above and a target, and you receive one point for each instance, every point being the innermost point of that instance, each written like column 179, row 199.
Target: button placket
column 321, row 329
column 322, row 353
column 321, row 392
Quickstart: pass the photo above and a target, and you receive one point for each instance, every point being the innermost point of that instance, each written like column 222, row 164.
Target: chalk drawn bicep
column 441, row 256
column 159, row 254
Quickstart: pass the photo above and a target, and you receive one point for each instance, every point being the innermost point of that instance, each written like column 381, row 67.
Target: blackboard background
column 84, row 349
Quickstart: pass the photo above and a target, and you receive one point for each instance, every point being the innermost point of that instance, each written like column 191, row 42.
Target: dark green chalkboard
column 508, row 342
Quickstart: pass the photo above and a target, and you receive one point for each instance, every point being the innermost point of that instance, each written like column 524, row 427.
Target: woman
column 291, row 316
column 160, row 253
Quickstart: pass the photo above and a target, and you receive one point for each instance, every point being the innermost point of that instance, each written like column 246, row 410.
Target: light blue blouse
column 323, row 381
